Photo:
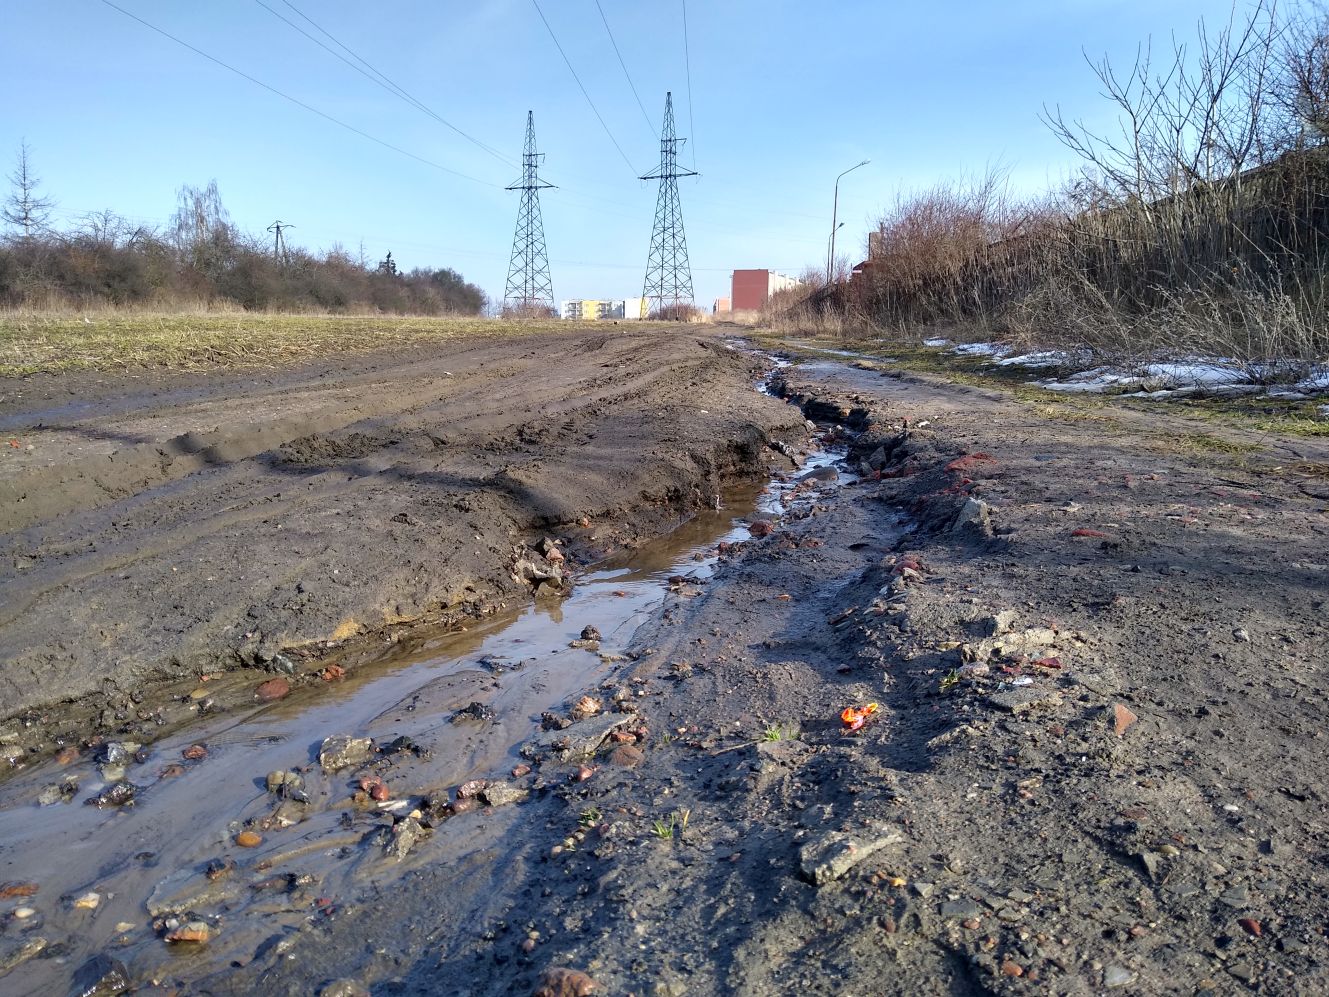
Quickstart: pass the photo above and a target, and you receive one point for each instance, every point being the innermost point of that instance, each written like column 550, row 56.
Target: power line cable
column 687, row 61
column 297, row 101
column 568, row 62
column 376, row 77
column 626, row 74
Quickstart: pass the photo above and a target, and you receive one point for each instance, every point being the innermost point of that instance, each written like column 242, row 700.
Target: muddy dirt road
column 1096, row 646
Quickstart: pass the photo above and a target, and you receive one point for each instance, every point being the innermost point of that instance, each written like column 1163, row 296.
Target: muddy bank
column 1093, row 766
column 161, row 529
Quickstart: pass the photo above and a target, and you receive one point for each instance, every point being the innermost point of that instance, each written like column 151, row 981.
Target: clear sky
column 783, row 95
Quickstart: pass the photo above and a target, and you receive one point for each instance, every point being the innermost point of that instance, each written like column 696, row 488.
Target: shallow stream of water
column 518, row 665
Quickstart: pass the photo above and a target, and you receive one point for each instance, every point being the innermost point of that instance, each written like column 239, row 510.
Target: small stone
column 342, row 751
column 498, row 794
column 379, row 792
column 1122, row 718
column 833, row 854
column 590, row 632
column 1241, row 636
column 249, row 839
column 558, row 981
column 192, row 932
column 273, row 689
column 120, row 794
column 761, row 528
column 922, row 889
column 972, row 923
column 627, row 756
column 1009, row 968
column 518, row 771
column 1117, row 976
column 1251, row 926
column 67, row 756
column 88, row 901
column 469, row 789
column 584, row 772
column 23, row 913
column 585, row 707
column 960, row 908
column 195, row 752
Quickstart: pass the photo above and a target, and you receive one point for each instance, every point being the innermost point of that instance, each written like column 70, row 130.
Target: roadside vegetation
column 200, row 260
column 1200, row 227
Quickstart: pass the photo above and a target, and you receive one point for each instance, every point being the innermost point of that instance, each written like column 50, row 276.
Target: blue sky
column 784, row 95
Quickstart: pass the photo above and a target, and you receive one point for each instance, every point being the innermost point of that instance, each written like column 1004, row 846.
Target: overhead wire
column 375, row 76
column 626, row 74
column 568, row 63
column 687, row 62
column 295, row 100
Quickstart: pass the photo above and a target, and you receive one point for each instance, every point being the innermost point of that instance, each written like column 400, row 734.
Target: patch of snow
column 936, row 342
column 1047, row 358
column 1199, row 372
column 982, row 350
column 1316, row 382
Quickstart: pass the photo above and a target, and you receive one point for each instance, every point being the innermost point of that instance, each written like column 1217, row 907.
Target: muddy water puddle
column 102, row 874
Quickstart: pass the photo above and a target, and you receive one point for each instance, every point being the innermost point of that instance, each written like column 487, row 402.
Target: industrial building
column 594, row 308
column 750, row 289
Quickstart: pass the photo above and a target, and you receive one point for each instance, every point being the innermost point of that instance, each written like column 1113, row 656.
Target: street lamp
column 830, row 240
column 835, row 211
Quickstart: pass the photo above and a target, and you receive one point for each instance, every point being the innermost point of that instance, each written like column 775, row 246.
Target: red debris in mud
column 10, row 890
column 1122, row 718
column 1085, row 532
column 855, row 717
column 379, row 792
column 584, row 773
column 172, row 772
column 970, row 462
column 761, row 528
column 520, row 770
column 1048, row 662
column 332, row 673
column 67, row 756
column 273, row 689
column 1251, row 926
column 195, row 752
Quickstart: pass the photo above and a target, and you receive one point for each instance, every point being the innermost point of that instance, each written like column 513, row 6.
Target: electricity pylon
column 668, row 275
column 529, row 288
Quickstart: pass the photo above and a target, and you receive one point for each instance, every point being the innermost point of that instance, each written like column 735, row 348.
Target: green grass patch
column 33, row 343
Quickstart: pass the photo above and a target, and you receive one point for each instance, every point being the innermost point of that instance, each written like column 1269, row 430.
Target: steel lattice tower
column 529, row 287
column 668, row 275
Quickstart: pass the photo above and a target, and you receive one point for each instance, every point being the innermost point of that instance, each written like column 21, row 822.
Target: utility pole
column 529, row 288
column 279, row 241
column 668, row 275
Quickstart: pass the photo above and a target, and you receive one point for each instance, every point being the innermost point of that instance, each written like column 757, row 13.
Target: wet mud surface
column 1097, row 662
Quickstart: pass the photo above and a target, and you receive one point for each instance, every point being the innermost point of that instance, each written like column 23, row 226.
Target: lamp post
column 835, row 211
column 830, row 243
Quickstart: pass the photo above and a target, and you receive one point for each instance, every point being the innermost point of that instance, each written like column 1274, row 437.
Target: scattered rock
column 833, row 854
column 88, row 901
column 761, row 527
column 15, row 952
column 586, row 707
column 627, row 756
column 101, row 976
column 1117, row 976
column 961, row 908
column 194, row 752
column 974, row 515
column 475, row 711
column 273, row 689
column 497, row 794
column 1251, row 926
column 61, row 792
column 342, row 751
column 15, row 889
column 403, row 837
column 190, row 932
column 561, row 982
column 576, row 742
column 590, row 632
column 344, row 988
column 1122, row 718
column 999, row 623
column 467, row 790
column 119, row 794
column 518, row 771
column 1241, row 636
column 249, row 839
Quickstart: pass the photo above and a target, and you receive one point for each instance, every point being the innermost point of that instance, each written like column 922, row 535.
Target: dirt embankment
column 1098, row 658
column 158, row 527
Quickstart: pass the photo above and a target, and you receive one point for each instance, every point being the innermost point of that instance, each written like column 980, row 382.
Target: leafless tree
column 26, row 208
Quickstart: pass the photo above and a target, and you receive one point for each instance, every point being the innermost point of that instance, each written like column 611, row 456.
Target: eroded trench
column 111, row 880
